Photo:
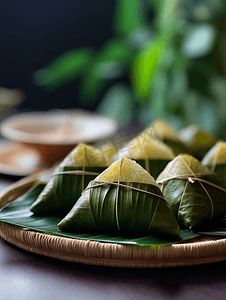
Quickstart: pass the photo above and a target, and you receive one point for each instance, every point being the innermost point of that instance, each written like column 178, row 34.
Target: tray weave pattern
column 199, row 251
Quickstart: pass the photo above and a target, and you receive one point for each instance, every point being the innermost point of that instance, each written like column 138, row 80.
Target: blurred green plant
column 166, row 60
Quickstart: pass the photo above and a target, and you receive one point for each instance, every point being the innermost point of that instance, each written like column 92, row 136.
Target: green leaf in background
column 166, row 19
column 145, row 67
column 18, row 214
column 110, row 63
column 118, row 102
column 63, row 69
column 199, row 41
column 128, row 15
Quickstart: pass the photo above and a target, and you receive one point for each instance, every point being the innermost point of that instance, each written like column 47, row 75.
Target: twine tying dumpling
column 192, row 178
column 118, row 184
column 82, row 172
column 100, row 183
column 103, row 182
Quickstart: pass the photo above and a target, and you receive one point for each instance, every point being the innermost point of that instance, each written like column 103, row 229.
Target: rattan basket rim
column 200, row 251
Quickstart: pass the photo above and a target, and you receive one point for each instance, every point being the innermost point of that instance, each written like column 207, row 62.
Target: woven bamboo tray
column 194, row 252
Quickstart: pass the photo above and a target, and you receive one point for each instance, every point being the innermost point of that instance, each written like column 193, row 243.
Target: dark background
column 32, row 33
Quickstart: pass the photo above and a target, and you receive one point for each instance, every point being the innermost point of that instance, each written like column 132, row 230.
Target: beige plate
column 53, row 134
column 58, row 127
column 200, row 251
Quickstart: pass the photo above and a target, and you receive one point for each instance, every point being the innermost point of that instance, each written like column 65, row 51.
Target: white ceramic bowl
column 55, row 133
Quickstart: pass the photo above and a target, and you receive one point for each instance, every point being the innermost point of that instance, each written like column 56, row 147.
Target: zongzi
column 162, row 131
column 69, row 179
column 149, row 152
column 197, row 140
column 108, row 149
column 215, row 160
column 123, row 199
column 195, row 194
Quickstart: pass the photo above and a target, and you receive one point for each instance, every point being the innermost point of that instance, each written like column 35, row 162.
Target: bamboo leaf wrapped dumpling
column 70, row 178
column 150, row 153
column 162, row 131
column 197, row 140
column 215, row 160
column 195, row 194
column 123, row 199
column 109, row 150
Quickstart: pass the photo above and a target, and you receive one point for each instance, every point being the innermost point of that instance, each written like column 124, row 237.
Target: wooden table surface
column 24, row 275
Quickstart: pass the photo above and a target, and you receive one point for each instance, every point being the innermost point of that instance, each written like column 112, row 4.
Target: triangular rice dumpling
column 70, row 178
column 215, row 160
column 150, row 153
column 123, row 199
column 194, row 193
column 197, row 140
column 109, row 150
column 162, row 131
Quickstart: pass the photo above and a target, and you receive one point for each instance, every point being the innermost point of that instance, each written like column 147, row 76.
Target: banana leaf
column 197, row 140
column 63, row 189
column 162, row 131
column 215, row 160
column 18, row 214
column 136, row 206
column 194, row 202
column 149, row 152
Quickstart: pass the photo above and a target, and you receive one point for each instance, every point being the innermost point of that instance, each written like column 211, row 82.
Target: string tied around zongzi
column 103, row 182
column 77, row 172
column 191, row 179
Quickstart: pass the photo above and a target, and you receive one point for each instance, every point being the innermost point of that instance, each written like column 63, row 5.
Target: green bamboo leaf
column 145, row 67
column 62, row 191
column 167, row 20
column 18, row 214
column 135, row 208
column 190, row 201
column 132, row 213
column 128, row 15
column 193, row 204
column 64, row 69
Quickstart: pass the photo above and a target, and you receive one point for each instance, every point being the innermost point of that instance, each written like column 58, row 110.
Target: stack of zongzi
column 70, row 178
column 123, row 199
column 149, row 152
column 215, row 160
column 195, row 194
